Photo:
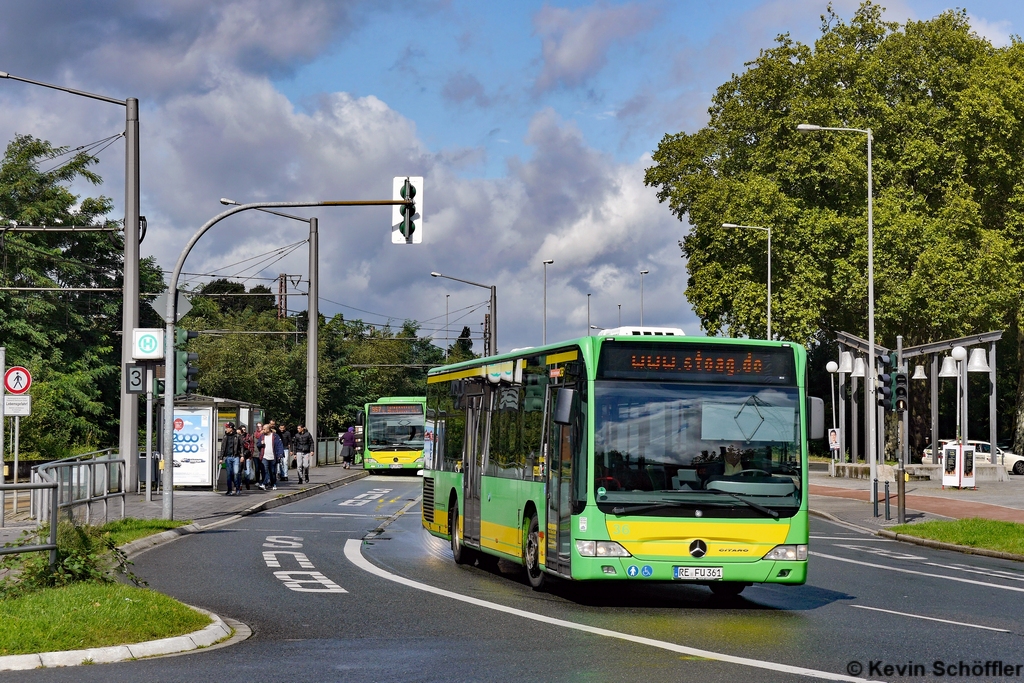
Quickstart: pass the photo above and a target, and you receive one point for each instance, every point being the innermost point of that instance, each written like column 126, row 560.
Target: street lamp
column 872, row 399
column 544, row 337
column 769, row 231
column 313, row 324
column 642, row 273
column 128, row 438
column 446, row 326
column 588, row 314
column 492, row 340
column 620, row 315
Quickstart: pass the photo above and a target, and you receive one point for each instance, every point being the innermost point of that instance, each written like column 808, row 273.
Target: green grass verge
column 1007, row 537
column 129, row 529
column 91, row 615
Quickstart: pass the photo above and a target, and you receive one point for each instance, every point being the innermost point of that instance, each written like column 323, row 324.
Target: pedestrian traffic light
column 901, row 397
column 407, row 219
column 885, row 380
column 185, row 371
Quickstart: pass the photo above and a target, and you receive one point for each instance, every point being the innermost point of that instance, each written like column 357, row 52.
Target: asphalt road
column 352, row 602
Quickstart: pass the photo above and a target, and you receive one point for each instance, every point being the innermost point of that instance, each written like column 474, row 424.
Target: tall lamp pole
column 128, row 439
column 312, row 324
column 642, row 273
column 492, row 340
column 544, row 336
column 872, row 398
column 769, row 231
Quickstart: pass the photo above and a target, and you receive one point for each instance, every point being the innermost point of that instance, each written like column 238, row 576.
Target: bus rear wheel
column 727, row 589
column 531, row 554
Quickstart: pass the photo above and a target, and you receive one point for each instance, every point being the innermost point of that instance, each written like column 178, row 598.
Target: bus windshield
column 394, row 427
column 666, row 444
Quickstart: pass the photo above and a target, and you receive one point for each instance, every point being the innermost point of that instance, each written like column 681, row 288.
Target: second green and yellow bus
column 636, row 455
column 393, row 433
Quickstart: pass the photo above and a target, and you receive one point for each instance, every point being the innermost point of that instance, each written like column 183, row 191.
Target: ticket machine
column 958, row 466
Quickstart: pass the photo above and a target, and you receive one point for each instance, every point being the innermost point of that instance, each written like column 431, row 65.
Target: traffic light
column 184, row 369
column 534, row 400
column 407, row 219
column 885, row 379
column 900, row 398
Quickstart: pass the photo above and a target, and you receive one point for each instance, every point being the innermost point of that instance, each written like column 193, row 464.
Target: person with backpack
column 348, row 447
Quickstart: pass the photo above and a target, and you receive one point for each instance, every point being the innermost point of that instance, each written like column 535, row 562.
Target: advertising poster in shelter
column 193, row 447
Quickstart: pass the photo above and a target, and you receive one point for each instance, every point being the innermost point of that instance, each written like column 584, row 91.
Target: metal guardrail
column 81, row 480
column 36, row 489
column 328, row 451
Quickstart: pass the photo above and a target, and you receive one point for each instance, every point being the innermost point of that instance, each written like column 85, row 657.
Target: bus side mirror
column 817, row 418
column 360, row 418
column 563, row 405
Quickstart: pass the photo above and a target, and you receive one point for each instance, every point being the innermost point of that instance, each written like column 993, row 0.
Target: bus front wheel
column 461, row 553
column 727, row 589
column 531, row 554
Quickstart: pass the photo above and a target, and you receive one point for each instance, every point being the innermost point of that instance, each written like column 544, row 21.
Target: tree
column 70, row 340
column 948, row 121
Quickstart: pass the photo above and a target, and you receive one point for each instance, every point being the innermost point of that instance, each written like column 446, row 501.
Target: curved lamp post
column 492, row 339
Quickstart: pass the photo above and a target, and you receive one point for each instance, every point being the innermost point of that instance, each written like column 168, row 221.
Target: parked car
column 983, row 452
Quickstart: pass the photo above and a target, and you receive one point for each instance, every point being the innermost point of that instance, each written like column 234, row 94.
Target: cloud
column 997, row 32
column 575, row 43
column 155, row 49
column 462, row 87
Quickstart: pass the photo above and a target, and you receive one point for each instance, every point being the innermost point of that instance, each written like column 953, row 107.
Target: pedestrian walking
column 302, row 445
column 248, row 446
column 230, row 451
column 348, row 447
column 283, row 463
column 272, row 451
column 259, row 466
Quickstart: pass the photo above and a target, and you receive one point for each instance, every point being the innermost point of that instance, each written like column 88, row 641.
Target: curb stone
column 939, row 545
column 214, row 633
column 143, row 544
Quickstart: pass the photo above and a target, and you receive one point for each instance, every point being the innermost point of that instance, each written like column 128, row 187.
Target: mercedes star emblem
column 698, row 548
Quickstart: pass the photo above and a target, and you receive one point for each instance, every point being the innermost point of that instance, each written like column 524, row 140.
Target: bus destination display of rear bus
column 730, row 364
column 391, row 409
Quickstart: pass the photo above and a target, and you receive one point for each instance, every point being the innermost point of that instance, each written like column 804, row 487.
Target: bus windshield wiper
column 760, row 508
column 640, row 507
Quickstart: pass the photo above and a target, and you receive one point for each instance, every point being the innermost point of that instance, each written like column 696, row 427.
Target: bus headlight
column 601, row 549
column 787, row 552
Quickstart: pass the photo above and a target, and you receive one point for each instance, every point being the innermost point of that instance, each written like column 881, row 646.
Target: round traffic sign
column 179, row 424
column 17, row 380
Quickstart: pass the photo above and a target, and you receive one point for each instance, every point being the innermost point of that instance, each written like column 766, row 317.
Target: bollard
column 887, row 516
column 874, row 495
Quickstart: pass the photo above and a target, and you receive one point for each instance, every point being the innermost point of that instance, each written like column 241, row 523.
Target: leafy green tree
column 946, row 110
column 70, row 340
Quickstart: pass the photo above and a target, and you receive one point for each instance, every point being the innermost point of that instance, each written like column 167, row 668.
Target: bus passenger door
column 558, row 489
column 472, row 462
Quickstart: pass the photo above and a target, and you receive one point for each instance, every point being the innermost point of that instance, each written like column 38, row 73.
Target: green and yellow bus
column 639, row 454
column 393, row 433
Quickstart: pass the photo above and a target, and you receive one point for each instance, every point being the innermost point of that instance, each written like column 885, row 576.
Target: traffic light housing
column 901, row 397
column 885, row 379
column 407, row 219
column 185, row 371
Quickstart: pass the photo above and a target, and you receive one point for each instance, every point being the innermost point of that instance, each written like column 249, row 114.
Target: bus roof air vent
column 642, row 332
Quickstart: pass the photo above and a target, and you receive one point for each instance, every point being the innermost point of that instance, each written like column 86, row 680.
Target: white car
column 982, row 449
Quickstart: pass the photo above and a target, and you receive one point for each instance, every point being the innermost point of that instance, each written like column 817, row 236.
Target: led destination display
column 693, row 362
column 391, row 409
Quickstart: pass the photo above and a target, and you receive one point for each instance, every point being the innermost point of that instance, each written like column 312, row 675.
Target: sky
column 531, row 122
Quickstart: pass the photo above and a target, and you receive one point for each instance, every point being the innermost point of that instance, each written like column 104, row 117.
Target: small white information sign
column 147, row 343
column 17, row 405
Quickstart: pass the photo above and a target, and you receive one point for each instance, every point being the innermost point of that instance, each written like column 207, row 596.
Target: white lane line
column 851, row 538
column 911, row 571
column 353, row 551
column 918, row 616
column 325, row 514
column 994, row 573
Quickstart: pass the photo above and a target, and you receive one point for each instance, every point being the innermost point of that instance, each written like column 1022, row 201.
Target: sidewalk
column 203, row 507
column 849, row 500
